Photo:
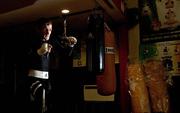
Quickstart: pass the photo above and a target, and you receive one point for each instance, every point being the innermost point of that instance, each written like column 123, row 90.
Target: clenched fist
column 45, row 48
column 71, row 41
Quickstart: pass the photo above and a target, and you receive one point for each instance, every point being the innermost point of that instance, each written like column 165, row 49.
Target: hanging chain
column 65, row 27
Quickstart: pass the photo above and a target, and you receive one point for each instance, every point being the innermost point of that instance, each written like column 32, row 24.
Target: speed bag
column 106, row 81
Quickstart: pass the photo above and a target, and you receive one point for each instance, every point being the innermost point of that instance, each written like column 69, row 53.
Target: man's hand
column 71, row 41
column 45, row 48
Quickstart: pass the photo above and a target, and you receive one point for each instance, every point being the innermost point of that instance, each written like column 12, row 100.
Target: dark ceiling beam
column 10, row 5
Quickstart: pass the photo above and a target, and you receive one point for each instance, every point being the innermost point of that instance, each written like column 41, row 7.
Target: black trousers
column 34, row 96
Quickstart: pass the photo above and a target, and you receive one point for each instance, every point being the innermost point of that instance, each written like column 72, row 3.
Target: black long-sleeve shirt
column 35, row 61
column 42, row 62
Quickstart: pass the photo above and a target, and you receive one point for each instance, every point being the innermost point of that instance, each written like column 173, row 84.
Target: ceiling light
column 65, row 11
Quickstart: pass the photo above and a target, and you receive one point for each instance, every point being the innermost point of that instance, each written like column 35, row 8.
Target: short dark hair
column 42, row 21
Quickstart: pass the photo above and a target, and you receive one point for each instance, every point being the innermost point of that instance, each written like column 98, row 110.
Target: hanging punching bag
column 95, row 43
column 106, row 81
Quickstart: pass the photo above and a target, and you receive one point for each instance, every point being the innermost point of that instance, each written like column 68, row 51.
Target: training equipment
column 106, row 81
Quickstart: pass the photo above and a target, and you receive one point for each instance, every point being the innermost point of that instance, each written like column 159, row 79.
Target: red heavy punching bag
column 106, row 81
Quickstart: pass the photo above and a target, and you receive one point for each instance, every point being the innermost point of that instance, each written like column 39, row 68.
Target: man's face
column 46, row 30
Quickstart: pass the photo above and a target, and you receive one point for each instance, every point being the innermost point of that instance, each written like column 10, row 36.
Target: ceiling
column 14, row 12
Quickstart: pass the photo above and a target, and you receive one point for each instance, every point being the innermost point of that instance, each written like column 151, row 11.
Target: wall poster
column 168, row 52
column 159, row 19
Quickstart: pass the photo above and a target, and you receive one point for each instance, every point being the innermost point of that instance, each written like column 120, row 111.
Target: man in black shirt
column 38, row 63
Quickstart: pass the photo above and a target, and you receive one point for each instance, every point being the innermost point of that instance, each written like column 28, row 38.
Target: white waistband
column 38, row 74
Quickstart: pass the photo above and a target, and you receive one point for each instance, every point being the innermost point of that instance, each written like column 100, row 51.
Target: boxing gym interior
column 126, row 60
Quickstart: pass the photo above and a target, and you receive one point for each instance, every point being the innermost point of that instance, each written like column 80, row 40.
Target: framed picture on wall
column 168, row 52
column 160, row 20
